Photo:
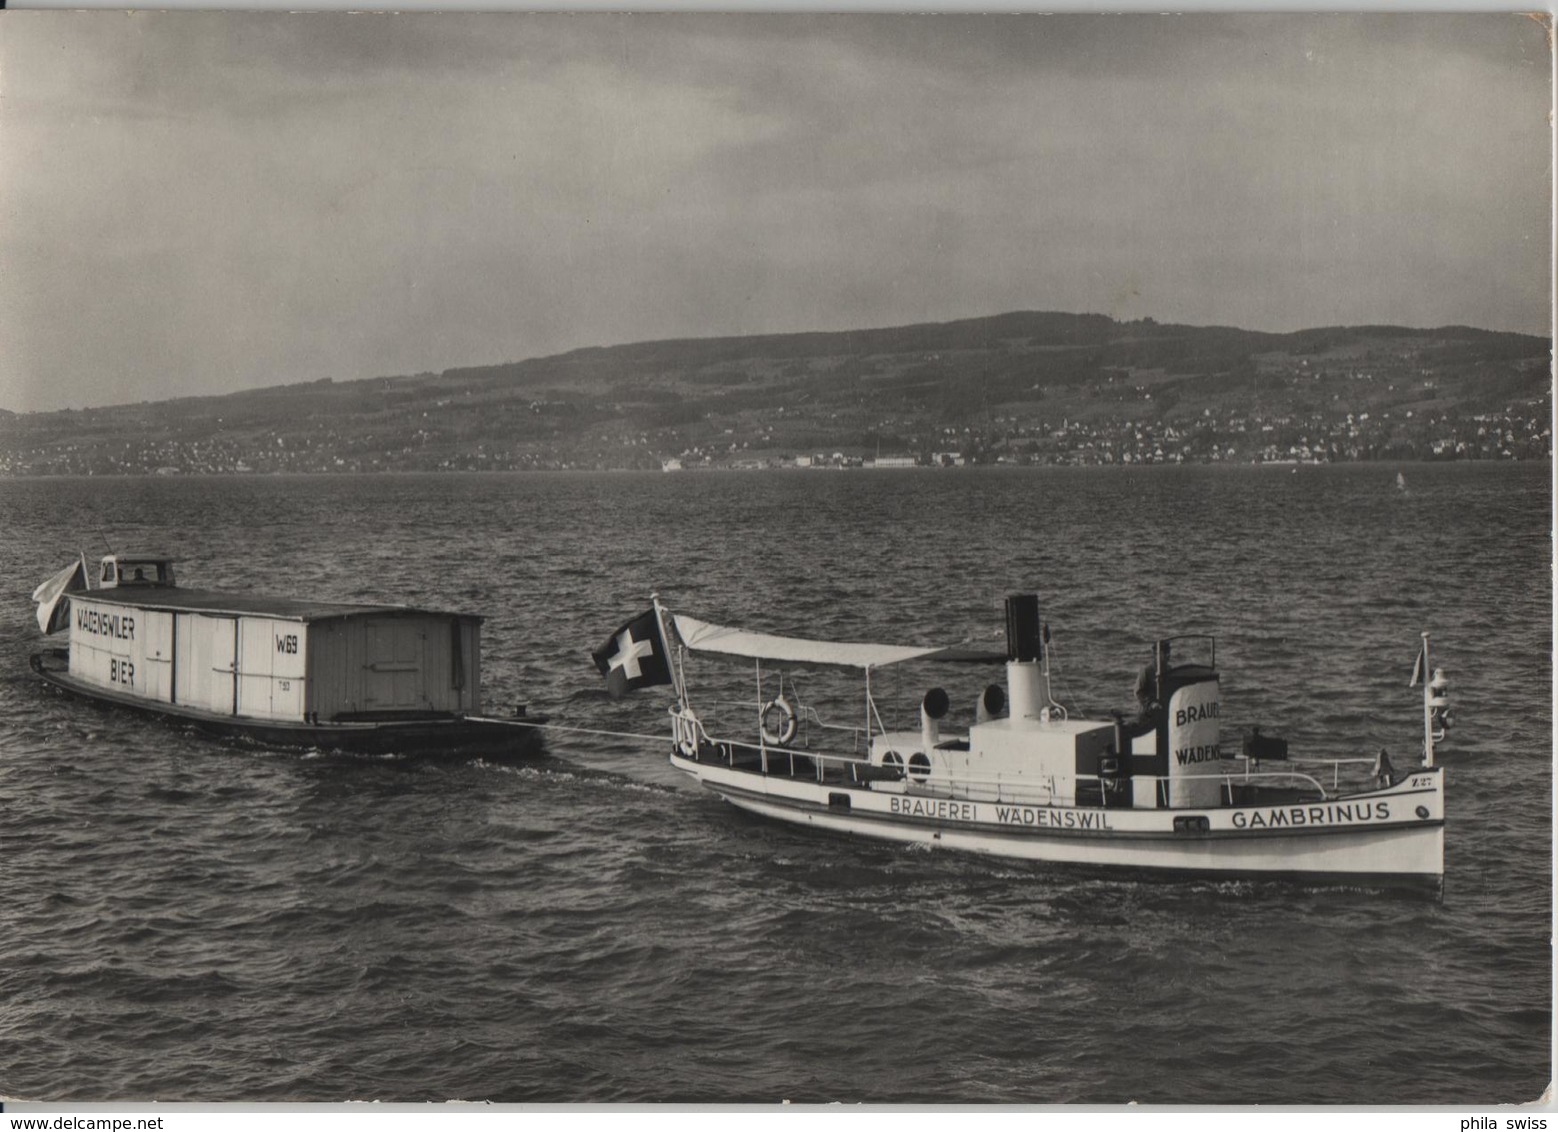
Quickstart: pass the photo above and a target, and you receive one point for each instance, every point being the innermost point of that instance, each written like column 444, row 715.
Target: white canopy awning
column 701, row 636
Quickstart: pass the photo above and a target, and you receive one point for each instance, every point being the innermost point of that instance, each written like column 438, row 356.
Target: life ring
column 782, row 735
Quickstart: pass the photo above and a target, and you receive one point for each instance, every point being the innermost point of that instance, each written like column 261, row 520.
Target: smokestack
column 1024, row 647
column 1024, row 634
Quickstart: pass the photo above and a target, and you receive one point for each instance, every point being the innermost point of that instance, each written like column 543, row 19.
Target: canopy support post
column 762, row 743
column 868, row 711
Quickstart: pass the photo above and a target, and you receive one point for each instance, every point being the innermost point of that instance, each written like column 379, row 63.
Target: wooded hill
column 997, row 388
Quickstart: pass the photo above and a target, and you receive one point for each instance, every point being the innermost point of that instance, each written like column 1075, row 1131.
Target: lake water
column 192, row 919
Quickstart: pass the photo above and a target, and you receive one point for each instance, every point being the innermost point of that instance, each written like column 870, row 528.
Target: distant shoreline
column 1225, row 465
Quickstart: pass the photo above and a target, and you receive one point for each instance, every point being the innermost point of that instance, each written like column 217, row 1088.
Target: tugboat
column 1157, row 794
column 374, row 679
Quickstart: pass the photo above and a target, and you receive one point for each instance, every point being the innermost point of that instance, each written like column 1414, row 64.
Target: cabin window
column 919, row 767
column 144, row 573
column 108, row 572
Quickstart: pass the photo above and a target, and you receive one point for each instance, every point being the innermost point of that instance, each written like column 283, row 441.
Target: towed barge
column 375, row 679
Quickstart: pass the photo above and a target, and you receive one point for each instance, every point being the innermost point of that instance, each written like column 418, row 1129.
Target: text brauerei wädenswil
column 1060, row 817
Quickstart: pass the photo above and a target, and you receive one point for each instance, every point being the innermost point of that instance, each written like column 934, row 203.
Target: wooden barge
column 368, row 678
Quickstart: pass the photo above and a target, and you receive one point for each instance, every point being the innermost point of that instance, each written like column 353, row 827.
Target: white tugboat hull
column 1379, row 838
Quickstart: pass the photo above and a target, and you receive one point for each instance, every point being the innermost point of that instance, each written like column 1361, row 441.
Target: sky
column 200, row 202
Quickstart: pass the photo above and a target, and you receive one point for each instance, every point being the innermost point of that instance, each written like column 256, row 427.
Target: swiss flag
column 634, row 656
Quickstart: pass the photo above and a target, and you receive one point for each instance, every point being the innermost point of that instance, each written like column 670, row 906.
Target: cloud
column 199, row 202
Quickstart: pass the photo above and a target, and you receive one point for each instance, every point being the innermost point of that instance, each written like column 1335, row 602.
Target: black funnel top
column 1024, row 635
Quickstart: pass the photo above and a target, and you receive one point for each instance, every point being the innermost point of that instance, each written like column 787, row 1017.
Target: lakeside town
column 1511, row 435
column 1519, row 432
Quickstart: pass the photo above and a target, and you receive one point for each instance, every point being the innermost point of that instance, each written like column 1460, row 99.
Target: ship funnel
column 932, row 708
column 991, row 703
column 1024, row 634
column 1024, row 649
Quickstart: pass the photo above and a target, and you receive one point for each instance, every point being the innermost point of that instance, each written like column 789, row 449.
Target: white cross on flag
column 634, row 656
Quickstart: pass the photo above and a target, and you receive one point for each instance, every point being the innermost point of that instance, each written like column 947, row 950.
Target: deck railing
column 806, row 717
column 794, row 761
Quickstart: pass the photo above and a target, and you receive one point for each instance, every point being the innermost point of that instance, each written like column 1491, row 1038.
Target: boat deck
column 830, row 769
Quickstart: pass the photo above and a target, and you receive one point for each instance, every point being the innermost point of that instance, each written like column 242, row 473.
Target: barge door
column 392, row 672
column 207, row 650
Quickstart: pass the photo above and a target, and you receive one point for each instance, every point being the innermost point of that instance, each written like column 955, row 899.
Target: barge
column 377, row 679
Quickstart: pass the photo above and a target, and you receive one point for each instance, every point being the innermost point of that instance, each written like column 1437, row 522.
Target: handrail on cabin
column 848, row 760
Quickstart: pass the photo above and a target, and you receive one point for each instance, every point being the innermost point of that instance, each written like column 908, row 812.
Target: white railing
column 690, row 735
column 1335, row 765
column 806, row 717
column 1047, row 788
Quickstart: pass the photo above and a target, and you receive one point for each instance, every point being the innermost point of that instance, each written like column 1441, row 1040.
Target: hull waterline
column 442, row 735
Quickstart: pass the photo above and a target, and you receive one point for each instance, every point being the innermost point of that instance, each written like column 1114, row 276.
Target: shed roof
column 245, row 604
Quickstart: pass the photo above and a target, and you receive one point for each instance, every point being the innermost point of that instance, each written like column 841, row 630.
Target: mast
column 1428, row 707
column 674, row 663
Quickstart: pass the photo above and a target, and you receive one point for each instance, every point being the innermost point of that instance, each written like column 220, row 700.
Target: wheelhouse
column 118, row 571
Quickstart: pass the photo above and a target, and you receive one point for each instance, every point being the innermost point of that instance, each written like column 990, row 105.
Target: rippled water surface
column 186, row 918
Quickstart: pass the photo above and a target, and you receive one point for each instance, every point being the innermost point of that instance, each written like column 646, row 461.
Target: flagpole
column 671, row 662
column 1428, row 711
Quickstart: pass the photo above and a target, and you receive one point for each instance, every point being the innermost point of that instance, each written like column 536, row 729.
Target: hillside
column 1018, row 388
